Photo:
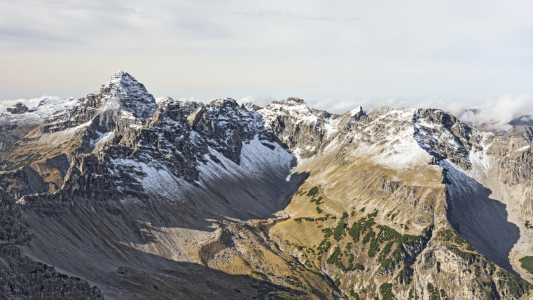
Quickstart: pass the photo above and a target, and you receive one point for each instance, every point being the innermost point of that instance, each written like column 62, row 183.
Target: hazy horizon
column 450, row 55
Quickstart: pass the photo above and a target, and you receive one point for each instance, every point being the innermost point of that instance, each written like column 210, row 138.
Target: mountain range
column 116, row 196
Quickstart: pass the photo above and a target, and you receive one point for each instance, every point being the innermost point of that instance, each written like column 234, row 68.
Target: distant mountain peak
column 122, row 84
column 119, row 73
column 18, row 108
column 295, row 100
column 291, row 101
column 224, row 101
column 251, row 106
column 130, row 93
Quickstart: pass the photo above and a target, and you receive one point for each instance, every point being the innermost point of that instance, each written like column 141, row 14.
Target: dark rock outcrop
column 23, row 278
column 18, row 108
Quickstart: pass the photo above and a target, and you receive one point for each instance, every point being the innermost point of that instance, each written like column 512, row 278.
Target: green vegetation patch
column 294, row 281
column 259, row 274
column 386, row 291
column 469, row 257
column 312, row 192
column 28, row 160
column 413, row 294
column 287, row 295
column 354, row 294
column 360, row 227
column 405, row 275
column 386, row 263
column 516, row 285
column 434, row 293
column 386, row 249
column 528, row 225
column 335, row 255
column 457, row 241
column 338, row 232
column 370, row 235
column 373, row 248
column 337, row 282
column 323, row 247
column 527, row 263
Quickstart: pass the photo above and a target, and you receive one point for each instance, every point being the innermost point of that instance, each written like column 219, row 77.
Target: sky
column 334, row 54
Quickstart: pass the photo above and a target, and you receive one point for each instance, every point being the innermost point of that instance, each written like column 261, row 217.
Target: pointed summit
column 119, row 73
column 124, row 90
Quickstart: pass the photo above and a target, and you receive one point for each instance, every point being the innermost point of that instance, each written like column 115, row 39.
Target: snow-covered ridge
column 304, row 130
column 122, row 102
column 36, row 115
column 387, row 140
column 408, row 138
column 292, row 107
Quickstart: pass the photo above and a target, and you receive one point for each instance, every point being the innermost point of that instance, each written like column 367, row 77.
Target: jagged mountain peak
column 165, row 100
column 124, row 91
column 186, row 107
column 292, row 107
column 295, row 100
column 121, row 104
column 18, row 108
column 121, row 77
column 119, row 73
column 291, row 101
column 251, row 106
column 224, row 102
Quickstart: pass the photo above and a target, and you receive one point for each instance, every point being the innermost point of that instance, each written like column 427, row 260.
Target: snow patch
column 60, row 137
column 36, row 115
column 394, row 145
column 100, row 142
column 331, row 127
column 299, row 111
column 356, row 111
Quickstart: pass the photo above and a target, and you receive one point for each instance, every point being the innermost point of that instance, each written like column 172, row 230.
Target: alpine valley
column 116, row 196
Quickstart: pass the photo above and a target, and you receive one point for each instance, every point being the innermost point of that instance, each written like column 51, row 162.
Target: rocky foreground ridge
column 184, row 200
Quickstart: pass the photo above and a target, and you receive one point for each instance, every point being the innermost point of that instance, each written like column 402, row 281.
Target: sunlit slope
column 374, row 215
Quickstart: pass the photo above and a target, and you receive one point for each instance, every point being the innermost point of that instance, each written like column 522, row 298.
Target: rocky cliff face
column 303, row 130
column 200, row 201
column 24, row 278
column 119, row 109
